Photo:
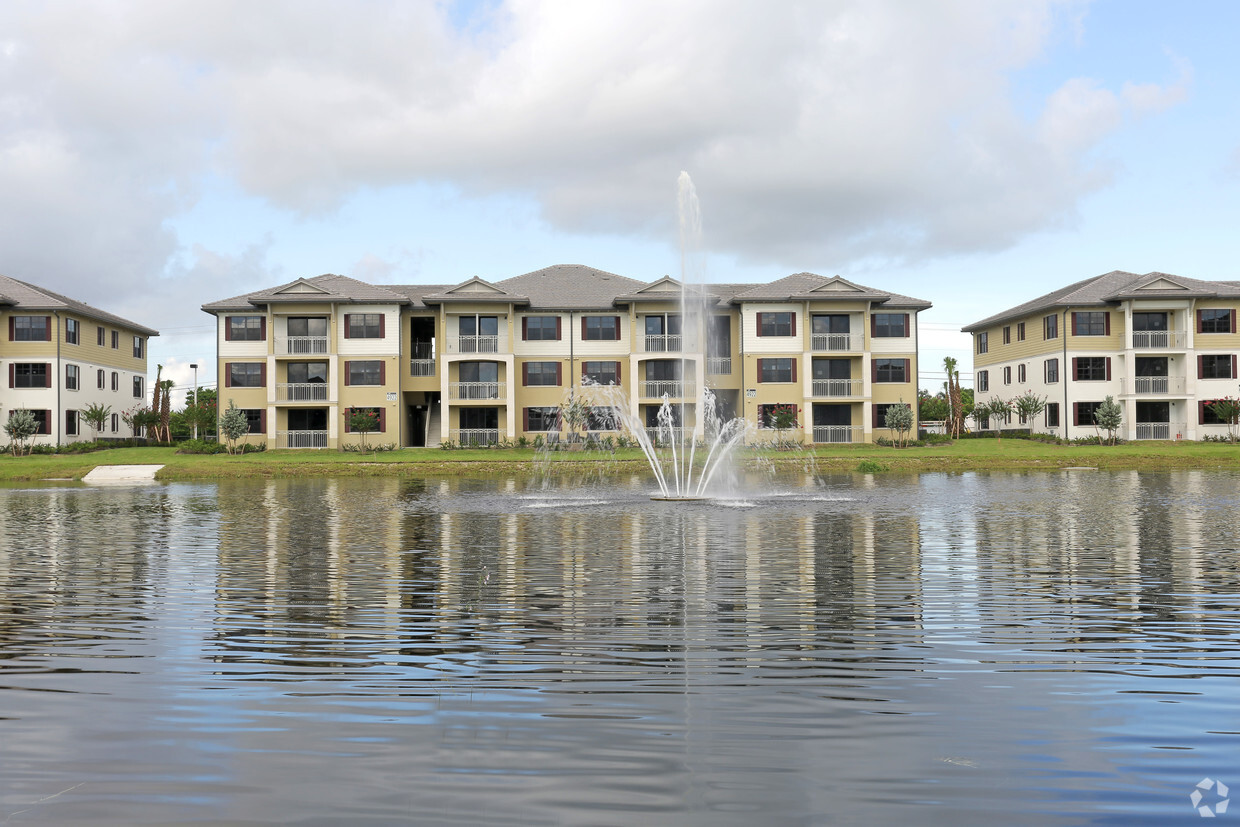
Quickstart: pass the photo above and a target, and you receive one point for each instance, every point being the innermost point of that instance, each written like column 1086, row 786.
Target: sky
column 157, row 156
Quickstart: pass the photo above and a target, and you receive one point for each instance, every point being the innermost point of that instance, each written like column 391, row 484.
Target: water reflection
column 1021, row 647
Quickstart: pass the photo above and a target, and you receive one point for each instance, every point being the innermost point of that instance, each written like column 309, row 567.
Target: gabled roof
column 571, row 287
column 475, row 290
column 668, row 289
column 1110, row 289
column 24, row 296
column 325, row 288
column 813, row 287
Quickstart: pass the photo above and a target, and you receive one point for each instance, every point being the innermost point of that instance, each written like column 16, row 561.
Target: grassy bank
column 964, row 455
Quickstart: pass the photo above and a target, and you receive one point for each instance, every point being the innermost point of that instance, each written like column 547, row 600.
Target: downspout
column 400, row 364
column 1067, row 411
column 58, row 379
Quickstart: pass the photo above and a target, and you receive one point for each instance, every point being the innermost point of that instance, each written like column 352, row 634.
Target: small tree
column 20, row 427
column 782, row 418
column 233, row 426
column 1227, row 409
column 1108, row 416
column 574, row 413
column 96, row 417
column 1028, row 405
column 362, row 421
column 995, row 408
column 899, row 418
column 199, row 414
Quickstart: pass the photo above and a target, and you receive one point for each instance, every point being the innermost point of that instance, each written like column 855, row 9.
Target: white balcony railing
column 661, row 436
column 305, row 344
column 1153, row 385
column 469, row 391
column 477, row 344
column 1157, row 430
column 718, row 365
column 833, row 433
column 837, row 342
column 827, row 388
column 1158, row 340
column 663, row 343
column 301, row 392
column 673, row 389
column 301, row 439
column 421, row 367
column 475, row 437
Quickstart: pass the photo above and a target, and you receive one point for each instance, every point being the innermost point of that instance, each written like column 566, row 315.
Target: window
column 602, row 418
column 71, row 423
column 363, row 326
column 891, row 326
column 880, row 412
column 891, row 370
column 600, row 328
column 1007, row 375
column 40, row 420
column 100, row 336
column 307, row 373
column 1085, row 412
column 1216, row 366
column 72, row 332
column 540, row 328
column 1007, row 334
column 1020, row 374
column 254, row 420
column 541, row 374
column 116, row 340
column 777, row 370
column 604, row 373
column 370, row 372
column 1094, row 323
column 72, row 373
column 375, row 414
column 542, row 419
column 100, row 379
column 1050, row 327
column 1092, row 368
column 30, row 328
column 116, row 381
column 983, row 380
column 116, row 423
column 1052, row 414
column 246, row 374
column 31, row 375
column 250, row 328
column 1020, row 331
column 312, row 326
column 771, row 415
column 139, row 348
column 776, row 324
column 1146, row 321
column 1050, row 371
column 1216, row 320
column 487, row 372
column 137, row 387
column 662, row 325
column 983, row 342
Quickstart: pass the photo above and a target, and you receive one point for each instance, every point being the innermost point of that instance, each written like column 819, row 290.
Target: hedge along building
column 481, row 362
column 1163, row 346
column 60, row 356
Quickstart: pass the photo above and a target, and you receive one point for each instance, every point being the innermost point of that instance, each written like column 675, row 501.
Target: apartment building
column 1163, row 346
column 481, row 362
column 61, row 356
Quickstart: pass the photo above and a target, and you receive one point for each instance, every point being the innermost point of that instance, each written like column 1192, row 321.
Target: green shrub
column 869, row 466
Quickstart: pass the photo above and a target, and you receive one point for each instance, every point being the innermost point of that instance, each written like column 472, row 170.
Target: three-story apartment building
column 1163, row 346
column 61, row 356
column 480, row 362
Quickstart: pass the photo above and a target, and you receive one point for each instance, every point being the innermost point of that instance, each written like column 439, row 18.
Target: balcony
column 1158, row 430
column 825, row 434
column 718, row 365
column 663, row 343
column 673, row 389
column 835, row 388
column 837, row 342
column 301, row 439
column 421, row 367
column 660, row 437
column 1153, row 385
column 301, row 345
column 301, row 392
column 1158, row 340
column 475, row 437
column 477, row 344
column 474, row 391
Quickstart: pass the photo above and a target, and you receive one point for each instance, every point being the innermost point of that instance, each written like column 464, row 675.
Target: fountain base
column 678, row 498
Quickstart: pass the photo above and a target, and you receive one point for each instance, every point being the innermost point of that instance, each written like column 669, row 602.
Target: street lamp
column 194, row 367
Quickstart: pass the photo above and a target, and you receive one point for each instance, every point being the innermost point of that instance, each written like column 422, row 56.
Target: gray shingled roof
column 807, row 287
column 571, row 287
column 491, row 292
column 1109, row 289
column 26, row 296
column 327, row 288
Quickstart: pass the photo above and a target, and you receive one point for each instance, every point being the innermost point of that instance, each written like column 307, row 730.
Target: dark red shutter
column 618, row 337
column 618, row 364
column 348, row 323
column 1199, row 320
column 874, row 415
column 1074, row 326
column 1200, row 367
column 1076, row 414
column 873, row 328
column 525, row 373
column 228, row 328
column 262, row 328
column 1233, row 366
column 1074, row 373
column 262, row 420
column 525, row 419
column 583, row 328
column 907, row 329
column 873, row 370
column 760, row 315
column 47, row 330
column 347, row 373
column 557, row 328
column 558, row 374
column 348, row 413
column 1232, row 323
column 382, row 411
column 1108, row 374
column 382, row 371
column 1201, row 408
column 1107, row 326
column 525, row 328
column 11, row 372
column 47, row 372
column 760, row 364
column 382, row 334
column 792, row 324
column 227, row 375
column 794, row 370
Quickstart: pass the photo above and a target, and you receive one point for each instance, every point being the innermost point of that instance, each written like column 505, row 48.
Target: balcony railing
column 1154, row 385
column 477, row 344
column 673, row 389
column 468, row 391
column 828, row 388
column 837, row 342
column 1158, row 340
column 475, row 437
column 1157, row 430
column 662, row 436
column 669, row 343
column 301, row 439
column 301, row 392
column 305, row 344
column 833, row 433
column 718, row 365
column 421, row 367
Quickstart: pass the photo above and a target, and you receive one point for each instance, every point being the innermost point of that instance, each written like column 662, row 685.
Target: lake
column 957, row 649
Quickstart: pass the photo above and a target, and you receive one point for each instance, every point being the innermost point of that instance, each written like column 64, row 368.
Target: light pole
column 194, row 367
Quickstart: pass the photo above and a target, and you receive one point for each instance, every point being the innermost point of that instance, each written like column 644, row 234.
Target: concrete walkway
column 122, row 473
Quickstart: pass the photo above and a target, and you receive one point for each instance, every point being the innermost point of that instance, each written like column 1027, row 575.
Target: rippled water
column 935, row 649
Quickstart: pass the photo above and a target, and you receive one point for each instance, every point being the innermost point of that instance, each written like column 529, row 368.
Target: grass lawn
column 963, row 455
